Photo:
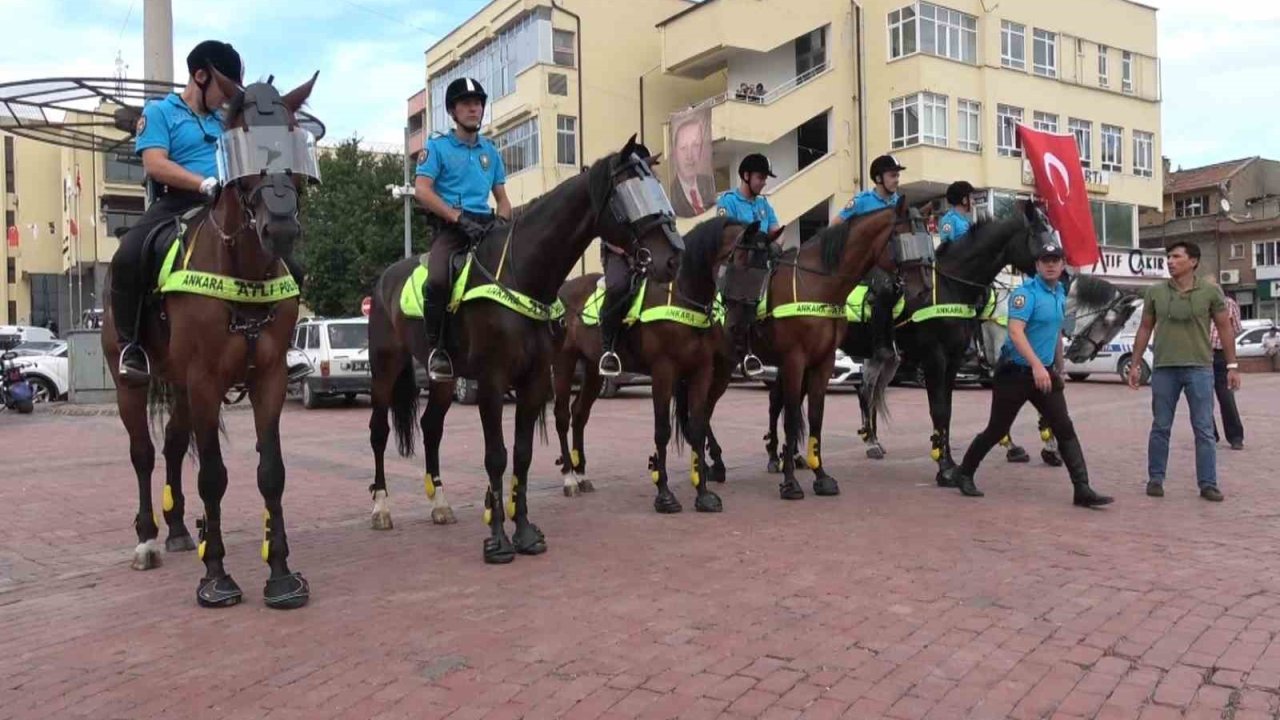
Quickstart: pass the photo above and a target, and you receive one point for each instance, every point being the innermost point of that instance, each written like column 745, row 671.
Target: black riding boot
column 126, row 307
column 611, row 315
column 1073, row 458
column 439, row 365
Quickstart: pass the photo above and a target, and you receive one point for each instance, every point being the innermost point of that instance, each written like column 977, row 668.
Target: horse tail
column 161, row 397
column 404, row 408
column 680, row 413
column 877, row 372
column 542, row 425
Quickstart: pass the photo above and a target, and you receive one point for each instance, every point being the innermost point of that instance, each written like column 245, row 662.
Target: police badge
column 721, row 212
column 1019, row 301
column 484, row 162
column 140, row 125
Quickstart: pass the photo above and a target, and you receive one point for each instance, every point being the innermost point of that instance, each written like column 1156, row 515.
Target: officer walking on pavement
column 956, row 222
column 458, row 172
column 1026, row 373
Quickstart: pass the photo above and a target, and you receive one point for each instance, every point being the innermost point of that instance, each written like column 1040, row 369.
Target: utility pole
column 157, row 40
column 405, row 193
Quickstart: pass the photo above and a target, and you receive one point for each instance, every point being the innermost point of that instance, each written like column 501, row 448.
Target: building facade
column 834, row 84
column 1232, row 211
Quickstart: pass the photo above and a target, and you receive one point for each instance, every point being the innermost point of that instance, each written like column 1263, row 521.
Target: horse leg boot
column 1050, row 454
column 1014, row 452
column 665, row 502
column 771, row 436
column 528, row 539
column 177, row 438
column 823, row 484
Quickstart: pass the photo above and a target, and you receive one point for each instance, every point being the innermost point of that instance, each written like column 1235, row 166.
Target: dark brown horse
column 676, row 340
column 204, row 345
column 806, row 323
column 500, row 348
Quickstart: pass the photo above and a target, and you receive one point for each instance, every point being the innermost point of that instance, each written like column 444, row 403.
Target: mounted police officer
column 1027, row 373
column 746, row 204
column 458, row 172
column 885, row 173
column 956, row 222
column 177, row 138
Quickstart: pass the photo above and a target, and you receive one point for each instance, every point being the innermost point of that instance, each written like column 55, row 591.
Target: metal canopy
column 97, row 114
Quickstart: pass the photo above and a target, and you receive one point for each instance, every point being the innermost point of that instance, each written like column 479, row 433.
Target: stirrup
column 299, row 371
column 443, row 373
column 134, row 375
column 610, row 364
column 752, row 365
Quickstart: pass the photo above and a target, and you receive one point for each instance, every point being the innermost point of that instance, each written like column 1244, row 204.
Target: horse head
column 633, row 213
column 746, row 269
column 1107, row 310
column 265, row 158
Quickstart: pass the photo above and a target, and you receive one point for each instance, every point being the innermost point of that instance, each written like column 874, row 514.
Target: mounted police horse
column 501, row 307
column 222, row 316
column 673, row 333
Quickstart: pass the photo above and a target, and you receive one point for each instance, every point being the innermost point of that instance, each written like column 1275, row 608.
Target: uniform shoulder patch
column 140, row 125
column 849, row 205
column 722, row 211
column 1019, row 301
column 946, row 227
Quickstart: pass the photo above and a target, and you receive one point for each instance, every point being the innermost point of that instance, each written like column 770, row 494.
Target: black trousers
column 130, row 270
column 617, row 288
column 1014, row 386
column 1232, row 425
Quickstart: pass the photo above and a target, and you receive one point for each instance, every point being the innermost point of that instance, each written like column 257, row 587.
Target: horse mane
column 597, row 178
column 833, row 240
column 1092, row 292
column 702, row 246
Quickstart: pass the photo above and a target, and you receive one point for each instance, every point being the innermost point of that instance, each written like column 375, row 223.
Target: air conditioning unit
column 1228, row 277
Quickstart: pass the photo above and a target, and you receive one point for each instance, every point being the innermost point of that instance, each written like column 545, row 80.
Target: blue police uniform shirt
column 735, row 206
column 954, row 225
column 464, row 174
column 1043, row 309
column 189, row 139
column 867, row 201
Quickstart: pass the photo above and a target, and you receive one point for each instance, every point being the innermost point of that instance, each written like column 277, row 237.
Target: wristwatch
column 1233, row 366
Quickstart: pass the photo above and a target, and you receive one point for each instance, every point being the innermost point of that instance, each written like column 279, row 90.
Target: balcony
column 700, row 40
column 762, row 120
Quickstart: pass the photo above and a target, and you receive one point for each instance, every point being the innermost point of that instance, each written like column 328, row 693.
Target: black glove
column 471, row 228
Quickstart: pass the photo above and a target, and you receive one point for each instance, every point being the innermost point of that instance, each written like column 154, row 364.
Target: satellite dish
column 96, row 114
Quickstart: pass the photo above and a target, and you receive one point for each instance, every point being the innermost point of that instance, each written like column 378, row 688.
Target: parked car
column 338, row 349
column 12, row 336
column 1112, row 359
column 846, row 373
column 44, row 364
column 1249, row 342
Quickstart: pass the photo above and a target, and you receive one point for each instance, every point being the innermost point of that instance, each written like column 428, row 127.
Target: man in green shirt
column 1182, row 309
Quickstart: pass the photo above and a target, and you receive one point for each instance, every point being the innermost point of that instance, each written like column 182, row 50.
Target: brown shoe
column 1155, row 489
column 1212, row 494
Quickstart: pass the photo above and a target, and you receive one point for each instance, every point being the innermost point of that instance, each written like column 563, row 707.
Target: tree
column 353, row 229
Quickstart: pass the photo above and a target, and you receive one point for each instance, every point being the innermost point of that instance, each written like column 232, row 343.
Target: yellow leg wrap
column 200, row 550
column 813, row 460
column 1006, row 441
column 266, row 535
column 575, row 457
column 511, row 501
column 1045, row 434
column 488, row 516
column 655, row 475
column 429, row 484
column 694, row 475
column 936, row 454
column 166, row 499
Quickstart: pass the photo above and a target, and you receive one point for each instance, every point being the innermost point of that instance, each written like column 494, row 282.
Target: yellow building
column 65, row 206
column 938, row 85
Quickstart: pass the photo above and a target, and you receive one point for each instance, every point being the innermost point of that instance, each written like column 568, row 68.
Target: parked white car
column 44, row 363
column 846, row 373
column 1113, row 359
column 1249, row 342
column 12, row 336
column 338, row 351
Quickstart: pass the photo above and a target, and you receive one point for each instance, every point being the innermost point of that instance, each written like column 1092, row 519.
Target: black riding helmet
column 217, row 55
column 958, row 191
column 882, row 165
column 755, row 162
column 461, row 89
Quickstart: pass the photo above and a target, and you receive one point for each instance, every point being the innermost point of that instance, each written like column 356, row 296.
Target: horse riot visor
column 915, row 247
column 641, row 203
column 267, row 150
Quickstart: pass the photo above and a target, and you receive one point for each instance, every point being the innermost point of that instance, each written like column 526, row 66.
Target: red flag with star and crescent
column 1055, row 162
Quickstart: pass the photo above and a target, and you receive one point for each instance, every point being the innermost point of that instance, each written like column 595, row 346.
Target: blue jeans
column 1167, row 384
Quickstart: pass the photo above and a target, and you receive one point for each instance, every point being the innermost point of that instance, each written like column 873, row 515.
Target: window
column 10, row 220
column 919, row 118
column 1126, row 71
column 1265, row 253
column 811, row 52
column 9, row 165
column 566, row 140
column 13, row 312
column 1044, row 53
column 1112, row 148
column 558, row 84
column 1193, row 206
column 1083, row 130
column 313, row 337
column 1113, row 223
column 1013, row 45
column 1143, row 156
column 117, row 220
column 935, row 30
column 1103, row 66
column 562, row 48
column 11, row 270
column 519, row 146
column 122, row 169
column 1007, row 119
column 1045, row 122
column 1237, row 251
column 969, row 125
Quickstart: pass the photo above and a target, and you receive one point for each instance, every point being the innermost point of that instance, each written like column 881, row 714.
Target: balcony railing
column 770, row 97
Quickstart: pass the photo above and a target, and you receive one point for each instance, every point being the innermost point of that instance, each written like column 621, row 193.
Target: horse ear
column 1030, row 209
column 226, row 85
column 654, row 160
column 752, row 229
column 629, row 148
column 295, row 98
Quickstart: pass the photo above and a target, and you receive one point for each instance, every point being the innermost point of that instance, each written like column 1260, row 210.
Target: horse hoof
column 718, row 473
column 218, row 592
column 498, row 550
column 708, row 502
column 584, row 485
column 179, row 543
column 774, row 467
column 1051, row 458
column 946, row 479
column 667, row 504
column 381, row 521
column 1017, row 454
column 571, row 488
column 875, row 452
column 825, row 486
column 529, row 540
column 443, row 516
column 146, row 556
column 287, row 592
column 791, row 491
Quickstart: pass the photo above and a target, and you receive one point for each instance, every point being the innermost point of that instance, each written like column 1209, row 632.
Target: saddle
column 158, row 252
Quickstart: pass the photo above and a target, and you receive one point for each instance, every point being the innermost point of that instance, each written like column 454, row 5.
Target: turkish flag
column 13, row 236
column 1055, row 162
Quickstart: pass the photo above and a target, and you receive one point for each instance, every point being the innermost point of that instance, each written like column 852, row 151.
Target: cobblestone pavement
column 895, row 599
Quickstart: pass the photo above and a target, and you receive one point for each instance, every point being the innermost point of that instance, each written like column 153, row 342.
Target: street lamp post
column 405, row 193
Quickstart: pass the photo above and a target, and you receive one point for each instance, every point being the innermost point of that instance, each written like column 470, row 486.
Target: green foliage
column 353, row 228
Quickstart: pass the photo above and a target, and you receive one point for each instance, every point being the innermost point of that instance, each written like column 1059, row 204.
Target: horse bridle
column 638, row 257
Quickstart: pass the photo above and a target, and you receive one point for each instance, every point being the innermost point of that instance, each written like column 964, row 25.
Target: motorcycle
column 16, row 392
